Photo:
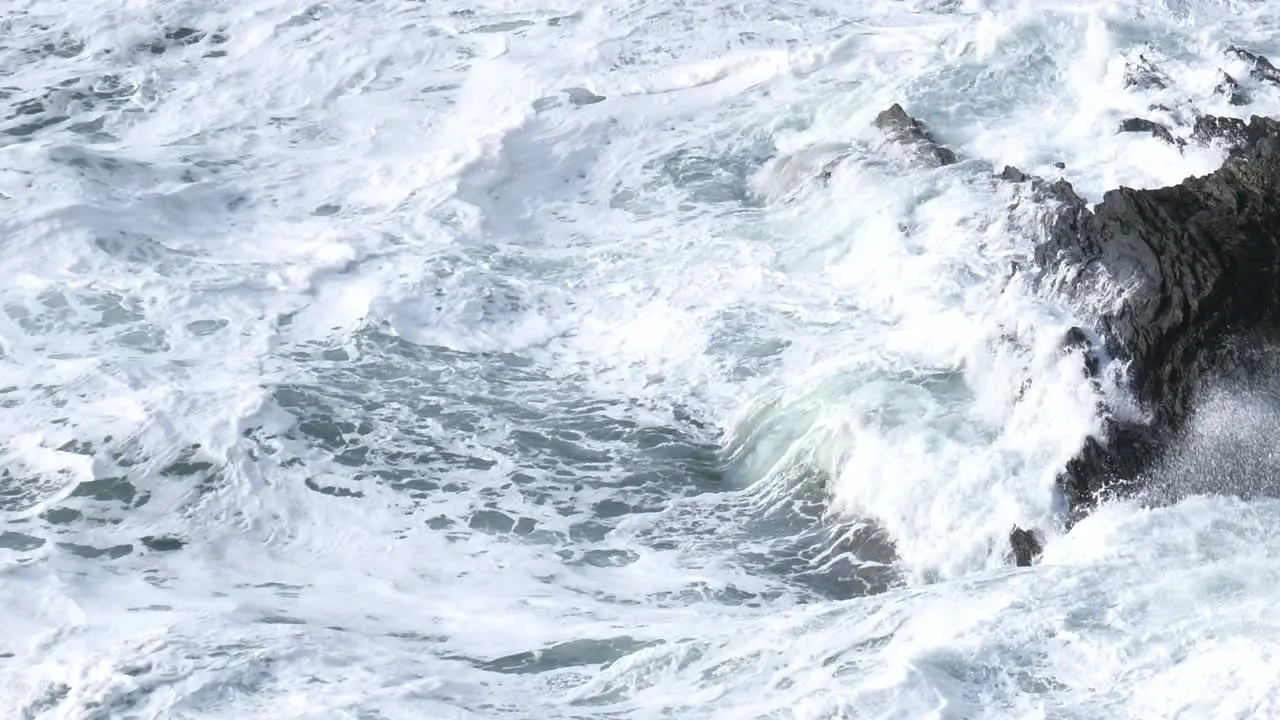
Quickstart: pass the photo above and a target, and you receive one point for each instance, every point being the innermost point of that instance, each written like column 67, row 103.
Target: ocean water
column 510, row 359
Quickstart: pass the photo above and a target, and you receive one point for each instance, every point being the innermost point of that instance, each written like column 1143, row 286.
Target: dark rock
column 1203, row 259
column 1013, row 174
column 902, row 128
column 1026, row 546
column 1060, row 165
column 1260, row 68
column 1142, row 125
column 1077, row 341
column 1233, row 132
column 1144, row 75
column 1062, row 190
column 1229, row 88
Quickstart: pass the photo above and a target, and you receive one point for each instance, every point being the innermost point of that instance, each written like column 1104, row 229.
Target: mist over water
column 513, row 359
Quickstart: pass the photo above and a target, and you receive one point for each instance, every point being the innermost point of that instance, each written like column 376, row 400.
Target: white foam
column 663, row 262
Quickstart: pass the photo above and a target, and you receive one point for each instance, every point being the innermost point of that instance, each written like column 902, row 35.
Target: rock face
column 1203, row 259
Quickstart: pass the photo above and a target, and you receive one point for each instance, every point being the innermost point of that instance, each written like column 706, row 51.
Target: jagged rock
column 1143, row 125
column 1013, row 174
column 1236, row 133
column 1260, row 68
column 1144, row 75
column 902, row 128
column 1203, row 259
column 1229, row 88
column 1062, row 190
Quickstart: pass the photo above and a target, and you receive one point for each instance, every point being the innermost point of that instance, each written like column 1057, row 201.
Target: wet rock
column 1230, row 89
column 1077, row 341
column 1063, row 190
column 1013, row 174
column 1157, row 130
column 1203, row 259
column 902, row 128
column 1144, row 75
column 1260, row 68
column 1233, row 132
column 1026, row 546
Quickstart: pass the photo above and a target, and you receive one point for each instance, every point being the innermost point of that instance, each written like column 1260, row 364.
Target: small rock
column 1143, row 125
column 1026, row 546
column 902, row 128
column 1013, row 174
column 1060, row 165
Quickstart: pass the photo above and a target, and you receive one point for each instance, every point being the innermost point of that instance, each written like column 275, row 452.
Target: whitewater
column 532, row 359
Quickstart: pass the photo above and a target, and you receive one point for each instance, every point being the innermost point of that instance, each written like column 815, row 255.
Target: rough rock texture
column 1203, row 258
column 902, row 128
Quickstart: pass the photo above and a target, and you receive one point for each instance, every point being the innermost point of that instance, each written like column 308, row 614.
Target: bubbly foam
column 511, row 360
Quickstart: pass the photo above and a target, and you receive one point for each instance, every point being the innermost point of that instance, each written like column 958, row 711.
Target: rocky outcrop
column 1203, row 260
column 1260, row 68
column 902, row 128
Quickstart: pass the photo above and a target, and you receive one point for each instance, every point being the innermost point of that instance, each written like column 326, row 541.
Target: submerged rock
column 1203, row 259
column 902, row 128
column 1144, row 75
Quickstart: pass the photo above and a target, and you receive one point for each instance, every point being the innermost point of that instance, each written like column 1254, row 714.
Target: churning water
column 512, row 359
